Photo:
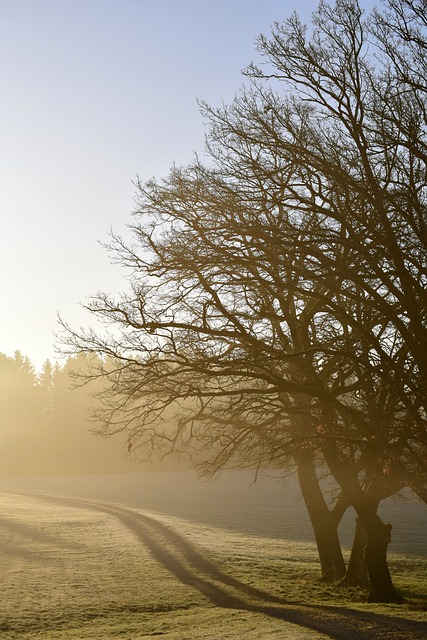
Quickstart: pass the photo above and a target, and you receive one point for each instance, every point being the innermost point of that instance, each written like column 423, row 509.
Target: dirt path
column 191, row 567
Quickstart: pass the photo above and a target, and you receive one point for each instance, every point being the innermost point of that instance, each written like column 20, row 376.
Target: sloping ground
column 80, row 569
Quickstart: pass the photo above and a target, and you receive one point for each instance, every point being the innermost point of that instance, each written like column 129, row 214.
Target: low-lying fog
column 268, row 507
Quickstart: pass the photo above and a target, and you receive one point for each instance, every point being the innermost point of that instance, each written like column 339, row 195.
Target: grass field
column 76, row 571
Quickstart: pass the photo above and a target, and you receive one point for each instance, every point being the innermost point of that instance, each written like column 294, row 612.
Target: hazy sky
column 94, row 92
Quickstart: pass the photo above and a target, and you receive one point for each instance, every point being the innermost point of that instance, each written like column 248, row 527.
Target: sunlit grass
column 76, row 574
column 290, row 570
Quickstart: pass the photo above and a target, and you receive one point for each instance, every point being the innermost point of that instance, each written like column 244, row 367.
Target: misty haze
column 76, row 558
column 213, row 337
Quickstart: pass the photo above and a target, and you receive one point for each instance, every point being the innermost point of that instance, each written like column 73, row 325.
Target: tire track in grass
column 191, row 567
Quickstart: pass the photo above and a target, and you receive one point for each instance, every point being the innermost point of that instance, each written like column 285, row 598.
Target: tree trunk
column 324, row 522
column 377, row 533
column 328, row 545
column 378, row 537
column 357, row 573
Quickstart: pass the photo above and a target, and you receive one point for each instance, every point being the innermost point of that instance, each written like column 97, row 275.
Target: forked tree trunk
column 377, row 533
column 325, row 523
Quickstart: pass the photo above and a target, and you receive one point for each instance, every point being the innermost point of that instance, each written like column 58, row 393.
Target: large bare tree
column 277, row 306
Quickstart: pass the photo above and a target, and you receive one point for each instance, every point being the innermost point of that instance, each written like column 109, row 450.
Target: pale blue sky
column 94, row 92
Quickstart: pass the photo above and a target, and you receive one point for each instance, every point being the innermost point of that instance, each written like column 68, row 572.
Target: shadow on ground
column 191, row 567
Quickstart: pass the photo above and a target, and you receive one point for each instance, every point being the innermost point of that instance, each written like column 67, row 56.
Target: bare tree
column 277, row 308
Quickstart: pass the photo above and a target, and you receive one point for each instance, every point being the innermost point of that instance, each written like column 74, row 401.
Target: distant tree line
column 44, row 426
column 277, row 308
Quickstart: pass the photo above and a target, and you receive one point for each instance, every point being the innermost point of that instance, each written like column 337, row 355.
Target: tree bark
column 357, row 573
column 325, row 522
column 378, row 534
column 378, row 537
column 328, row 545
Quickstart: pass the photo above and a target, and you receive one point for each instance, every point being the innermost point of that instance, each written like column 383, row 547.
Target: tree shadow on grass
column 18, row 530
column 191, row 567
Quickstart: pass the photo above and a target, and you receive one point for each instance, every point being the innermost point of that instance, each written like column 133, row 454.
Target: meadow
column 77, row 569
